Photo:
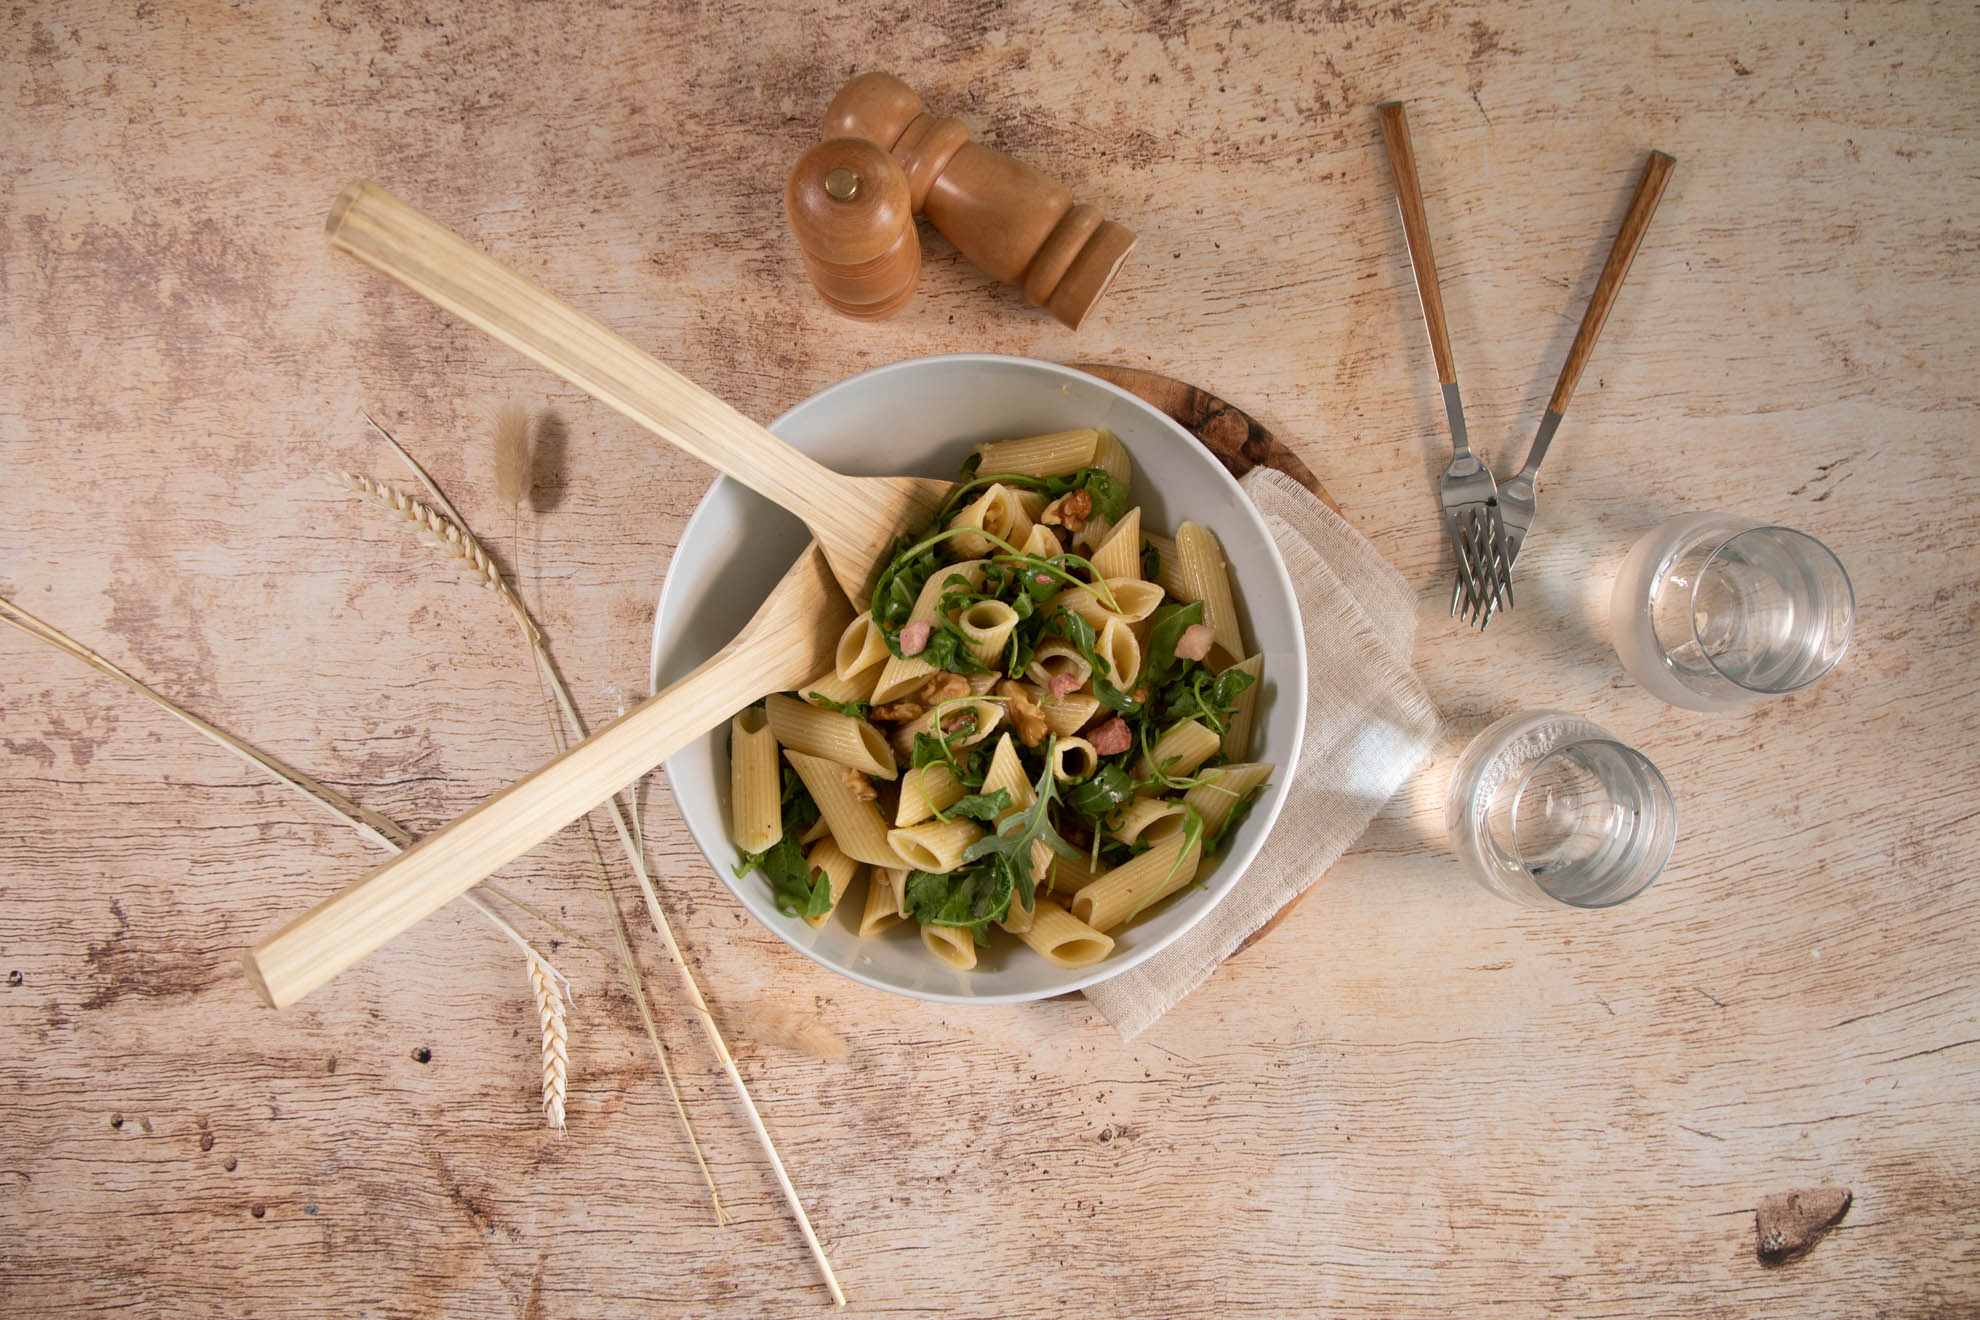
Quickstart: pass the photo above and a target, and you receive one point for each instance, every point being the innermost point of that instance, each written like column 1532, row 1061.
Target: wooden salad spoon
column 854, row 519
column 792, row 638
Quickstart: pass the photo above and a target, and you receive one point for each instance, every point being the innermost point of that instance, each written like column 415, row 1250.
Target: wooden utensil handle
column 1649, row 190
column 418, row 251
column 1416, row 230
column 447, row 863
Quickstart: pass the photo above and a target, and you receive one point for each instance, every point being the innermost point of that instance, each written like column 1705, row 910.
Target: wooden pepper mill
column 847, row 202
column 1008, row 218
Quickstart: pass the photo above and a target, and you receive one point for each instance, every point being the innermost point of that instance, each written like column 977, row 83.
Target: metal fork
column 1471, row 513
column 1517, row 496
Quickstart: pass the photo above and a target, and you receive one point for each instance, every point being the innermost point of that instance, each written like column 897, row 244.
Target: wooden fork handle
column 412, row 247
column 1416, row 230
column 1649, row 190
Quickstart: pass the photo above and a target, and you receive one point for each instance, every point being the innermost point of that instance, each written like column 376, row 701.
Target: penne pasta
column 1043, row 542
column 827, row 733
column 855, row 824
column 755, row 782
column 860, row 646
column 1070, row 874
column 902, row 675
column 839, row 869
column 1180, row 751
column 988, row 625
column 1006, row 773
column 1222, row 789
column 1064, row 938
column 1056, row 455
column 954, row 945
column 1237, row 733
column 1136, row 600
column 926, row 791
column 998, row 511
column 1054, row 658
column 1205, row 577
column 1070, row 713
column 934, row 846
column 881, row 911
column 1111, row 457
column 1117, row 645
column 1119, row 556
column 1137, row 883
column 1154, row 818
column 828, row 688
column 1073, row 759
column 988, row 714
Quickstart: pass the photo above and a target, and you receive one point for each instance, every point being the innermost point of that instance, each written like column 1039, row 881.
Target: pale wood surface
column 1411, row 1099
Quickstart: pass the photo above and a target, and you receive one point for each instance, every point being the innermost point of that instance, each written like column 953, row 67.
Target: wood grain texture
column 1412, row 1099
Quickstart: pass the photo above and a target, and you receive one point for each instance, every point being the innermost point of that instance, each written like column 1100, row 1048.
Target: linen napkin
column 1369, row 726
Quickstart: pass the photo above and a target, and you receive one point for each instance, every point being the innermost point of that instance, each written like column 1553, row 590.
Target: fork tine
column 1478, row 576
column 1467, row 568
column 1484, row 570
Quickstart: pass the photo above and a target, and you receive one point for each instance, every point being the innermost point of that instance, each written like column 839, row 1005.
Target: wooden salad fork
column 855, row 520
column 792, row 638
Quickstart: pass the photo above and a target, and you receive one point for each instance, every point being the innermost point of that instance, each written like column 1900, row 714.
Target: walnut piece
column 1069, row 511
column 899, row 712
column 858, row 784
column 944, row 686
column 1023, row 712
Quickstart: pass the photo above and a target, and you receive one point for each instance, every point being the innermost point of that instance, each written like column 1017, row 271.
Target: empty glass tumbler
column 1547, row 809
column 1713, row 612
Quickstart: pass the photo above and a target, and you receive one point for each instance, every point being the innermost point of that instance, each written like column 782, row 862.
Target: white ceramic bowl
column 920, row 417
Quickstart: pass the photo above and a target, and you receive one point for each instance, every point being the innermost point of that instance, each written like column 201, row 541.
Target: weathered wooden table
column 1410, row 1098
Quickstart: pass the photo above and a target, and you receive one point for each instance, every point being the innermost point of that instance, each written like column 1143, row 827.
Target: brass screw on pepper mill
column 1009, row 219
column 847, row 202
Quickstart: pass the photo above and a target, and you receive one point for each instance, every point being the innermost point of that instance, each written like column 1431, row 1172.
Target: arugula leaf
column 972, row 896
column 1215, row 842
column 856, row 709
column 1192, row 836
column 1151, row 562
column 978, row 806
column 948, row 649
column 1165, row 628
column 1111, row 498
column 1201, row 695
column 1010, row 846
column 968, row 768
column 800, row 891
column 1080, row 633
column 1109, row 787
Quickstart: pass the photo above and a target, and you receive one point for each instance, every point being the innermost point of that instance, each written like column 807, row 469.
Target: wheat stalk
column 450, row 532
column 443, row 534
column 556, row 1057
column 633, row 843
column 511, row 454
column 377, row 829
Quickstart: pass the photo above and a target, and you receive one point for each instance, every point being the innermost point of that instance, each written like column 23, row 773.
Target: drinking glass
column 1713, row 612
column 1549, row 810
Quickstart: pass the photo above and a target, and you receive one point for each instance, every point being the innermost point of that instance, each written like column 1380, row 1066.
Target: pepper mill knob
column 1011, row 220
column 848, row 206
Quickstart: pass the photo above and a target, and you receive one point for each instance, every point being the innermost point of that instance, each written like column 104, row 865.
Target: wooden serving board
column 1241, row 444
